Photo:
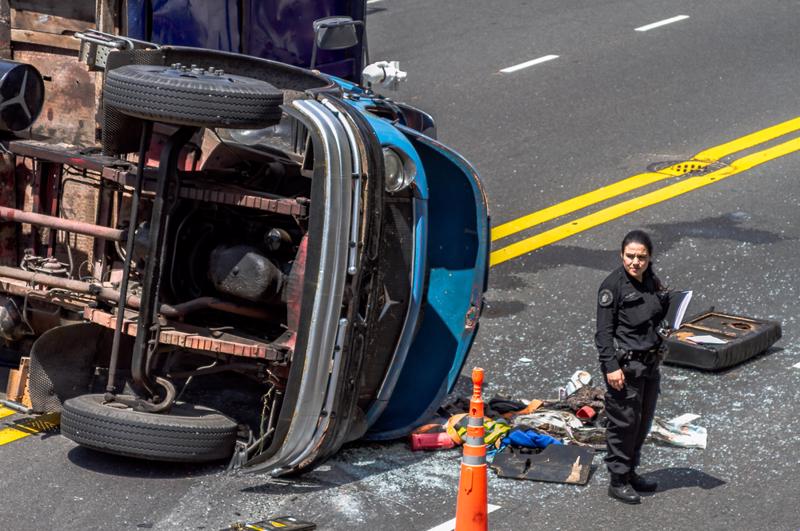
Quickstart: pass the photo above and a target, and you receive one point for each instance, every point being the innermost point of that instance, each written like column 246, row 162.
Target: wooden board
column 17, row 389
column 74, row 9
column 69, row 112
column 51, row 40
column 5, row 30
column 45, row 23
column 8, row 197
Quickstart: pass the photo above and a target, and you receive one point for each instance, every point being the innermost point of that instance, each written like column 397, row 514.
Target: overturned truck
column 220, row 253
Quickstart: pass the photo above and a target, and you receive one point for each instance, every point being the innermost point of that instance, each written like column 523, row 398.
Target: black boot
column 641, row 484
column 621, row 490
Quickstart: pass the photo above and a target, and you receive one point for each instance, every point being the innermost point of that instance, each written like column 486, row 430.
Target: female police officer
column 631, row 304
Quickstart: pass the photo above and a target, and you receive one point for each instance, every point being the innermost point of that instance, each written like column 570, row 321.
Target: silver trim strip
column 321, row 365
column 355, row 226
column 330, row 395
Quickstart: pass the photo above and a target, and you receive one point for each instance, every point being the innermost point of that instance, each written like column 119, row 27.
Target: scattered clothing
column 585, row 396
column 503, row 405
column 523, row 437
column 565, row 425
column 494, row 429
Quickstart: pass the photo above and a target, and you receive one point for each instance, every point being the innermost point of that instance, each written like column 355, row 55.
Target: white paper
column 685, row 436
column 684, row 419
column 682, row 310
column 707, row 340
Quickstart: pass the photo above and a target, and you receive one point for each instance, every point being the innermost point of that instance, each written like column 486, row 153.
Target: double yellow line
column 698, row 162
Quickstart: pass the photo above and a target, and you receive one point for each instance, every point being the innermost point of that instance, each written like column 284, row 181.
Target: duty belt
column 645, row 356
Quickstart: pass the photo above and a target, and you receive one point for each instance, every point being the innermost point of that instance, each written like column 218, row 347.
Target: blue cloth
column 528, row 439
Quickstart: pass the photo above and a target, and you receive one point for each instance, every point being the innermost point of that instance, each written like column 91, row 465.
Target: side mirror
column 334, row 33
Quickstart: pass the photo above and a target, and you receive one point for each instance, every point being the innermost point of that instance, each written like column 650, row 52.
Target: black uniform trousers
column 630, row 414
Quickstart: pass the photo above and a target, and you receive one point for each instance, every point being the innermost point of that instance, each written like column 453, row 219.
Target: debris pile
column 547, row 440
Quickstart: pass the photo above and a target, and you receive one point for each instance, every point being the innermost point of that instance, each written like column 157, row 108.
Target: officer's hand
column 663, row 329
column 616, row 379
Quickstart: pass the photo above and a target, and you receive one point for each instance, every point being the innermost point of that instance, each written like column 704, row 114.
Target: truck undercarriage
column 245, row 204
column 207, row 254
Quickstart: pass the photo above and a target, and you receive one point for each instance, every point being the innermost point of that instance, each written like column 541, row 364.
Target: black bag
column 744, row 337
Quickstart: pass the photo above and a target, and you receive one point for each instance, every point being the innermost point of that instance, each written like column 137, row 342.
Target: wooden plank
column 66, row 42
column 8, row 197
column 74, row 9
column 69, row 108
column 5, row 30
column 46, row 23
column 107, row 16
column 17, row 388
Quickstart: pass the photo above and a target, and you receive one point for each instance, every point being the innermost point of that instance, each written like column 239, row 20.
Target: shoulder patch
column 605, row 298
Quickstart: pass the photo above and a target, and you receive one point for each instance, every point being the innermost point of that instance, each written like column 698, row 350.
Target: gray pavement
column 614, row 103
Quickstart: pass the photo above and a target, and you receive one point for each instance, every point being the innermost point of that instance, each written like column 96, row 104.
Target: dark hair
column 638, row 236
column 641, row 237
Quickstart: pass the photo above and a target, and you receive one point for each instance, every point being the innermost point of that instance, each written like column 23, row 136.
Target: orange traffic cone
column 472, row 505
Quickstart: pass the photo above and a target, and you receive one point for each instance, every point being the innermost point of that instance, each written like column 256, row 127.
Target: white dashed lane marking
column 526, row 64
column 451, row 524
column 660, row 23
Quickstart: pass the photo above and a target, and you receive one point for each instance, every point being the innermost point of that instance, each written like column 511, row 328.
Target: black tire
column 198, row 98
column 189, row 433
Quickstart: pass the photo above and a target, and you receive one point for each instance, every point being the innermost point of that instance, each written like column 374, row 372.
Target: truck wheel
column 195, row 97
column 189, row 433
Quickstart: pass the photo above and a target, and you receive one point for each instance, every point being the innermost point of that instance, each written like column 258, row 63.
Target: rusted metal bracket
column 124, row 173
column 68, row 225
column 297, row 207
column 65, row 154
column 195, row 338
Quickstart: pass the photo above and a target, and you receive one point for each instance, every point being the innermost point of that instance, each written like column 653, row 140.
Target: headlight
column 400, row 170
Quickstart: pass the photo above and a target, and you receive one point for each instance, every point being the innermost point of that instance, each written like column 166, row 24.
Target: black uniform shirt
column 628, row 313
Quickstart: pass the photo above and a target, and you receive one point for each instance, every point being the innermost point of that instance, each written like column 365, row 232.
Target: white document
column 685, row 297
column 682, row 420
column 707, row 340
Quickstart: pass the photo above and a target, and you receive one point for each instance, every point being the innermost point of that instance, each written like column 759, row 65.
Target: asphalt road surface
column 553, row 101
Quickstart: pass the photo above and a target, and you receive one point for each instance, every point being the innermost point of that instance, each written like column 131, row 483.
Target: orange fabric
column 430, row 428
column 530, row 408
column 452, row 427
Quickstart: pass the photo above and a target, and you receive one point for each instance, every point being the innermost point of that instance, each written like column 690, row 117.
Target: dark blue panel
column 137, row 19
column 273, row 29
column 202, row 23
column 282, row 30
